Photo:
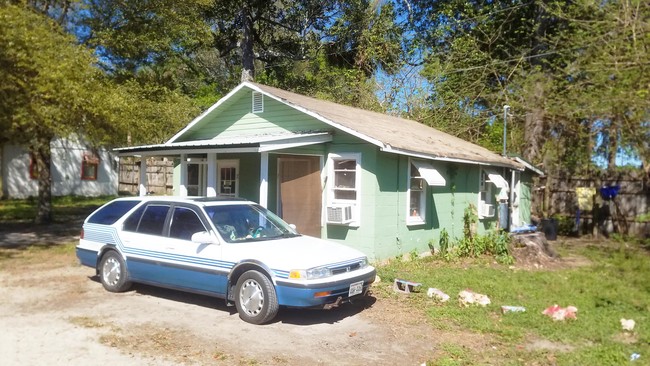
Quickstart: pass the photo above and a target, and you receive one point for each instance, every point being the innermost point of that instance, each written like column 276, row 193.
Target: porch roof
column 248, row 143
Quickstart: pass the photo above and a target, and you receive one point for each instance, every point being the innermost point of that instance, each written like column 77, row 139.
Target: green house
column 382, row 184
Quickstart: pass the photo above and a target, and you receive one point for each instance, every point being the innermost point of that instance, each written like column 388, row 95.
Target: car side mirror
column 293, row 226
column 203, row 237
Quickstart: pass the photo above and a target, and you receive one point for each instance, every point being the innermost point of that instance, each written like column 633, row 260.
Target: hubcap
column 111, row 271
column 251, row 297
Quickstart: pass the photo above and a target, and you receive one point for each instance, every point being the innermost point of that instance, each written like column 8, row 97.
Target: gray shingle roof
column 396, row 134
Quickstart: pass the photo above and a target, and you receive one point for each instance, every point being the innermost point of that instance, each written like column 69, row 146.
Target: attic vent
column 258, row 102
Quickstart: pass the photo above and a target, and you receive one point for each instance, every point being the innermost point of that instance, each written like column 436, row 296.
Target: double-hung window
column 344, row 176
column 89, row 166
column 420, row 175
column 417, row 197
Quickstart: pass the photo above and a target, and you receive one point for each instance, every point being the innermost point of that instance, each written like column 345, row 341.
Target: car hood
column 301, row 252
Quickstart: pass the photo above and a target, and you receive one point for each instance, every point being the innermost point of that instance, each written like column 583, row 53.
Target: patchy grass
column 64, row 208
column 615, row 285
column 54, row 255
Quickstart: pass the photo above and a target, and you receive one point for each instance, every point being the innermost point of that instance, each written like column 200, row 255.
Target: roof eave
column 416, row 154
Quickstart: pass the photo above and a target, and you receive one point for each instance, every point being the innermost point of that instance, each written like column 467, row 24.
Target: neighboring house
column 382, row 184
column 77, row 169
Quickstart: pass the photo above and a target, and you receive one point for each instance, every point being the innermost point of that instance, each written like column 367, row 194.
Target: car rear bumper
column 87, row 257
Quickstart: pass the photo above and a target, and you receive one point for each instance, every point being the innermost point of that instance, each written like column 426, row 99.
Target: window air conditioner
column 339, row 214
column 487, row 210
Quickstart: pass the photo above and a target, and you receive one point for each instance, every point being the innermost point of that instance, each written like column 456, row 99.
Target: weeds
column 612, row 287
column 472, row 245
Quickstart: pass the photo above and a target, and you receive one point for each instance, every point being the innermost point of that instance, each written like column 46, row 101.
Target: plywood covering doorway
column 299, row 193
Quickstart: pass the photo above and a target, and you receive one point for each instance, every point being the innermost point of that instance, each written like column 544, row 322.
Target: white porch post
column 142, row 188
column 211, row 190
column 182, row 187
column 264, row 179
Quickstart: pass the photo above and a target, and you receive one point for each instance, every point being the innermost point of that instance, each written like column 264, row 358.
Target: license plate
column 355, row 288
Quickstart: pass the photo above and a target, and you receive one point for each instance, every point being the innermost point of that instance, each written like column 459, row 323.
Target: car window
column 184, row 223
column 247, row 223
column 131, row 222
column 112, row 212
column 153, row 219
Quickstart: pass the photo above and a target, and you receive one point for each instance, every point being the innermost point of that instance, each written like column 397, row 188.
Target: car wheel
column 255, row 298
column 112, row 272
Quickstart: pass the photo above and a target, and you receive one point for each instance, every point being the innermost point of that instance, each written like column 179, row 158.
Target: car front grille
column 347, row 268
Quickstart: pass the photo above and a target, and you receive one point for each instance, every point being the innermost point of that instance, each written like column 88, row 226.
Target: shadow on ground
column 24, row 235
column 285, row 315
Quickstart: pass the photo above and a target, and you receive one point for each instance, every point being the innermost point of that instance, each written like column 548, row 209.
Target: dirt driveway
column 54, row 311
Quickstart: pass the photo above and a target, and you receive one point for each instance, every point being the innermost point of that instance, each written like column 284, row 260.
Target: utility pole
column 505, row 128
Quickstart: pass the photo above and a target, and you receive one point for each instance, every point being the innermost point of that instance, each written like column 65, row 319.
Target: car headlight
column 364, row 263
column 311, row 273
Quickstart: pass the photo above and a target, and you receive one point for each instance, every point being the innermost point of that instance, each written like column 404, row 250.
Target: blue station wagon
column 227, row 248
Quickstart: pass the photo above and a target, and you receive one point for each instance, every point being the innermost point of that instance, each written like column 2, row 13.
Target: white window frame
column 485, row 194
column 415, row 217
column 229, row 163
column 331, row 179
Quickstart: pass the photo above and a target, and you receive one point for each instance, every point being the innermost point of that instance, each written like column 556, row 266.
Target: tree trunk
column 2, row 187
column 248, row 57
column 613, row 145
column 43, row 156
column 534, row 125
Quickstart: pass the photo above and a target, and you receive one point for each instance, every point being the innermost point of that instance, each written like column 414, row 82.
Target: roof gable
column 389, row 133
column 233, row 117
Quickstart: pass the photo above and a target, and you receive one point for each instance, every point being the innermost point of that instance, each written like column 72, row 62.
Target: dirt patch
column 56, row 310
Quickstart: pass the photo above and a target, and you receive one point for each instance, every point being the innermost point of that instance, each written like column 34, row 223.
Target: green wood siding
column 236, row 119
column 362, row 237
column 525, row 196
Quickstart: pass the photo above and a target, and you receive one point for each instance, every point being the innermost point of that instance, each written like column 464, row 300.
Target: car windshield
column 237, row 223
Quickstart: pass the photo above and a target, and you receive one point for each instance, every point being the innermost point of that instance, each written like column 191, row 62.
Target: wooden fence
column 160, row 176
column 626, row 212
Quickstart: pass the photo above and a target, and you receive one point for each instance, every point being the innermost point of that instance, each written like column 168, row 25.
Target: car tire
column 255, row 298
column 112, row 272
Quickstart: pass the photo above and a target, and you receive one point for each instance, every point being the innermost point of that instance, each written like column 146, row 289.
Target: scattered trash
column 559, row 313
column 405, row 286
column 512, row 309
column 468, row 297
column 437, row 295
column 634, row 356
column 628, row 324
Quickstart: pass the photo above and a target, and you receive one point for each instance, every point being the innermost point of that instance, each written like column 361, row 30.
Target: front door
column 197, row 179
column 300, row 195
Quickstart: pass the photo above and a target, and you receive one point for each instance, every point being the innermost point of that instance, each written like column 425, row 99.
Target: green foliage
column 471, row 245
column 565, row 225
column 611, row 287
column 470, row 218
column 574, row 74
column 48, row 84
